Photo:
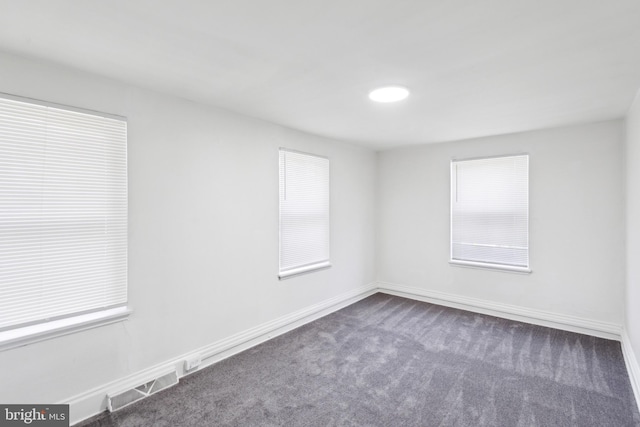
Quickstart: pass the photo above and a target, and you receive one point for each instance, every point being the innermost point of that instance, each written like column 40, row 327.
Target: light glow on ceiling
column 389, row 94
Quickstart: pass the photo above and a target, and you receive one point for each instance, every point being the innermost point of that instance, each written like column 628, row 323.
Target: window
column 63, row 217
column 304, row 213
column 490, row 212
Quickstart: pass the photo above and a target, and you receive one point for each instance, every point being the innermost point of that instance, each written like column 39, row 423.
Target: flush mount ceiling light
column 389, row 94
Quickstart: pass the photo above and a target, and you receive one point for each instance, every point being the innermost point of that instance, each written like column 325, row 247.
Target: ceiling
column 474, row 67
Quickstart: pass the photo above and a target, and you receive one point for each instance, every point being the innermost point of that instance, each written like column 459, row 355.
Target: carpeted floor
column 390, row 361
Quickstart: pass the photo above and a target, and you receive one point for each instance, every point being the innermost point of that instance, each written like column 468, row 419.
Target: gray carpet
column 390, row 361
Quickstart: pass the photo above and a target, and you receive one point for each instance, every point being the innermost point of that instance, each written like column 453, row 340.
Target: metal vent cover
column 120, row 400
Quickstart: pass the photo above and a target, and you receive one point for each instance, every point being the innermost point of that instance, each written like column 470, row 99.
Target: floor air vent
column 125, row 398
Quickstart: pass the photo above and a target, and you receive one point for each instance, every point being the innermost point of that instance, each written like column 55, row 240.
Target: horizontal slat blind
column 63, row 213
column 304, row 211
column 490, row 210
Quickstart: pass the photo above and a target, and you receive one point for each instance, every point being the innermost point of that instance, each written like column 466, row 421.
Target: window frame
column 285, row 273
column 21, row 334
column 486, row 265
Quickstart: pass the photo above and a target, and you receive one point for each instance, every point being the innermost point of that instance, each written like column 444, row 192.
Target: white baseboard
column 94, row 401
column 632, row 365
column 513, row 312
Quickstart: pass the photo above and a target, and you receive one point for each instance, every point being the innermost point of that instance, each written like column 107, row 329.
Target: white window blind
column 304, row 212
column 490, row 212
column 63, row 213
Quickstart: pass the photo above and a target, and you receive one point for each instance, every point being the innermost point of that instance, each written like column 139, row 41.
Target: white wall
column 632, row 321
column 203, row 232
column 576, row 221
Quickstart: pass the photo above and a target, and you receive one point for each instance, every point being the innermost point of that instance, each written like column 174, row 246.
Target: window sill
column 43, row 331
column 486, row 266
column 303, row 270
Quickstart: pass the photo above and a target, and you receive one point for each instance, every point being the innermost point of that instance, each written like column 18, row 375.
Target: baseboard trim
column 94, row 401
column 632, row 365
column 513, row 312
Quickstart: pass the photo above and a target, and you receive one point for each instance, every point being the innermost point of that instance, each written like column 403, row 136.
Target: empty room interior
column 320, row 213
